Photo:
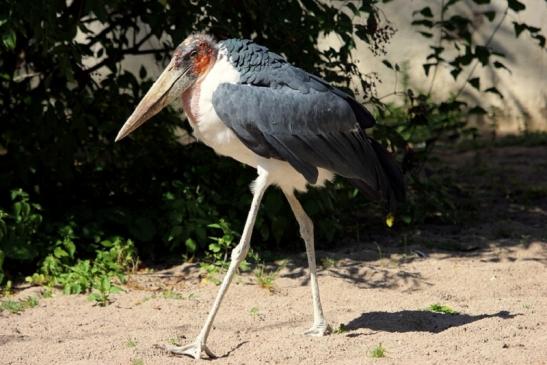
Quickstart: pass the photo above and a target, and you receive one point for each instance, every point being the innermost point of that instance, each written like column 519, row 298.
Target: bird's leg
column 238, row 254
column 320, row 326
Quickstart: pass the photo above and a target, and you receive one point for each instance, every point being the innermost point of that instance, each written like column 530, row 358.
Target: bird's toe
column 319, row 329
column 193, row 350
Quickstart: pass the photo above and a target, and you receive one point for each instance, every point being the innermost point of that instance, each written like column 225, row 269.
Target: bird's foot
column 193, row 350
column 319, row 329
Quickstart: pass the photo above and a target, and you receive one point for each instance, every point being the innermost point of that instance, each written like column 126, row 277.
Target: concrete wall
column 525, row 89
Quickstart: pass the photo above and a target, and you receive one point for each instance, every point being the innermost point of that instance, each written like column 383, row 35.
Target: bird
column 249, row 103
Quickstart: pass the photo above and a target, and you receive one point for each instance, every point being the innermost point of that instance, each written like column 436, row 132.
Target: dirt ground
column 493, row 272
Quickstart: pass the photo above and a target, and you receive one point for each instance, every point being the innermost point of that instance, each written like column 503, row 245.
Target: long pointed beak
column 159, row 95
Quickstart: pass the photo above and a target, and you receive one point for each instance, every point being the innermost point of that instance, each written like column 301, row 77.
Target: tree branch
column 134, row 50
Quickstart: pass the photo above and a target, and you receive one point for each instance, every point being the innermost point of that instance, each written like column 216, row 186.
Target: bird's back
column 280, row 111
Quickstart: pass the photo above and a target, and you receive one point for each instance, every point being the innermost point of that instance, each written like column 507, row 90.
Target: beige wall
column 525, row 104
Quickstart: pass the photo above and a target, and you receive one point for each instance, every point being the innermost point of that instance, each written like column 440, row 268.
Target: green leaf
column 59, row 252
column 214, row 247
column 407, row 219
column 9, row 39
column 516, row 5
column 2, row 256
column 191, row 246
column 115, row 289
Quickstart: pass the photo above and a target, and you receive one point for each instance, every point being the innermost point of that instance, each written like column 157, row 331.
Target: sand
column 497, row 282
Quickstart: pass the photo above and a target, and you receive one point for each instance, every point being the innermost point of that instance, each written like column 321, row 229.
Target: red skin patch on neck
column 190, row 98
column 203, row 59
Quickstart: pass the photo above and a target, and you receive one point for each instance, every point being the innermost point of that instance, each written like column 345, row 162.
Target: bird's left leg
column 238, row 254
column 320, row 326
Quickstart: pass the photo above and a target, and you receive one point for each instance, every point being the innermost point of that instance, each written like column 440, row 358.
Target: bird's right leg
column 238, row 254
column 320, row 326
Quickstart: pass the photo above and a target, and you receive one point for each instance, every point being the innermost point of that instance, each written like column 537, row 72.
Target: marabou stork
column 249, row 103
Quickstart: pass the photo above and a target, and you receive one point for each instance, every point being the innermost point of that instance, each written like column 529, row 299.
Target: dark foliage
column 59, row 119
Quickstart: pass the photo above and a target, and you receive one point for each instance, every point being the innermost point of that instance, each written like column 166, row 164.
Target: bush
column 18, row 230
column 59, row 121
column 62, row 269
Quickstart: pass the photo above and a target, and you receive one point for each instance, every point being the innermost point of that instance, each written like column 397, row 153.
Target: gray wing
column 259, row 66
column 308, row 128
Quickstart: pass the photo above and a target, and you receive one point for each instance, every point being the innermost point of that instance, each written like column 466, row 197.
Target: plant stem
column 438, row 45
column 476, row 63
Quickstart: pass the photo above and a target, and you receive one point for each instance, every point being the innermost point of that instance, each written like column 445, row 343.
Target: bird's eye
column 193, row 53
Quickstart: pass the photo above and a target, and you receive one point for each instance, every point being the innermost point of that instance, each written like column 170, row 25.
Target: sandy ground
column 497, row 281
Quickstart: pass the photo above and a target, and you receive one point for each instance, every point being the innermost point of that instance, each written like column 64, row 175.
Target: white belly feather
column 211, row 130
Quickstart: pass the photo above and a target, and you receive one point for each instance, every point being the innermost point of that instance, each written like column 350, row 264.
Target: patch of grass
column 137, row 362
column 173, row 341
column 47, row 292
column 7, row 290
column 340, row 329
column 379, row 249
column 102, row 289
column 327, row 262
column 171, row 294
column 254, row 312
column 18, row 306
column 264, row 278
column 439, row 308
column 131, row 342
column 62, row 269
column 217, row 255
column 378, row 352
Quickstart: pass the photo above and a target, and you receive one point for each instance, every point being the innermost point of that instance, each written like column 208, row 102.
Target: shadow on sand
column 417, row 321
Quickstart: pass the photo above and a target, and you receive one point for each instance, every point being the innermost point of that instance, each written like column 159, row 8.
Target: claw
column 193, row 350
column 319, row 329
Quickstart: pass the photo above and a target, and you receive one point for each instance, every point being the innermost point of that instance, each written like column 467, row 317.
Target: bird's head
column 191, row 60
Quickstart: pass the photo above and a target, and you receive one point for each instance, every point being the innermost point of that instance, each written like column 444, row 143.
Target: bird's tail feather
column 392, row 190
column 393, row 173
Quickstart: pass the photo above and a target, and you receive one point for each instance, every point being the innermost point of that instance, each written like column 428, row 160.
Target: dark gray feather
column 309, row 130
column 280, row 111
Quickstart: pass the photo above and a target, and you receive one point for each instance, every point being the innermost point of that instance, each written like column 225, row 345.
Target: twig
column 134, row 50
column 476, row 63
column 438, row 46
